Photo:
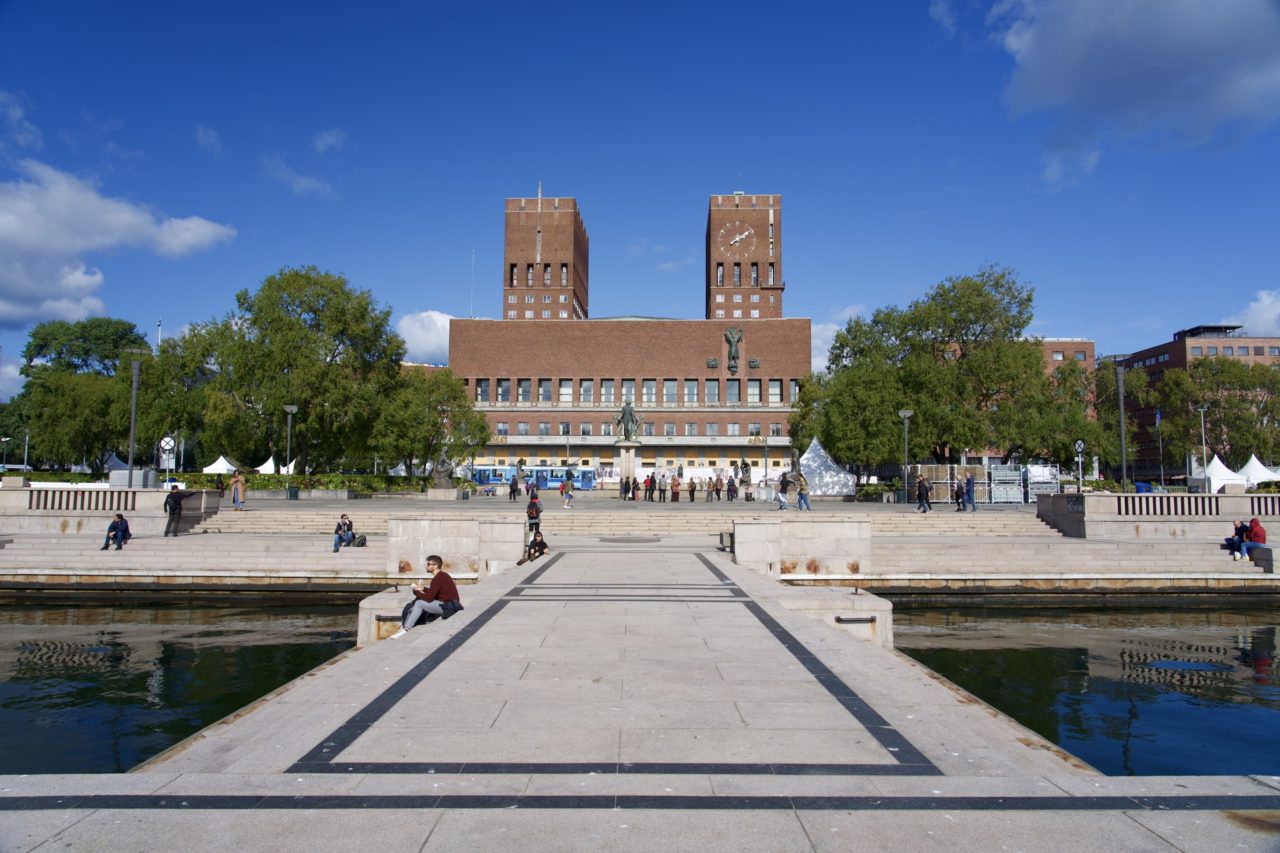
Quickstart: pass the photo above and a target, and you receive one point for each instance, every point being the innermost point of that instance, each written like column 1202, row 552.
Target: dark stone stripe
column 611, row 767
column 236, row 802
column 347, row 733
column 674, row 599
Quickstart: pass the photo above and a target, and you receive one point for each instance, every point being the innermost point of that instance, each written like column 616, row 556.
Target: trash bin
column 291, row 493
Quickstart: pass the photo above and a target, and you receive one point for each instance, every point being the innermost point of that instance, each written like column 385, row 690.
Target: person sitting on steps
column 344, row 533
column 117, row 532
column 439, row 599
column 1257, row 538
column 536, row 548
column 1239, row 533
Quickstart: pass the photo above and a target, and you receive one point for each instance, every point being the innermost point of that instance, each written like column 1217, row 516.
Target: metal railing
column 82, row 500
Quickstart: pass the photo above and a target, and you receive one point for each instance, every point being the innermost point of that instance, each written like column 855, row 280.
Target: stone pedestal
column 627, row 462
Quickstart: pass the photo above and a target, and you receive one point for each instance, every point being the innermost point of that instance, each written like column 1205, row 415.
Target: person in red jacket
column 439, row 599
column 1257, row 538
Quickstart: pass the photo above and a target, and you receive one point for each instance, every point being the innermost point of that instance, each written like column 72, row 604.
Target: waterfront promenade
column 628, row 694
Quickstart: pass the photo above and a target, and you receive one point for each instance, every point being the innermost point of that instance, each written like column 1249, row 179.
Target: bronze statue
column 746, row 470
column 628, row 421
column 442, row 473
column 732, row 336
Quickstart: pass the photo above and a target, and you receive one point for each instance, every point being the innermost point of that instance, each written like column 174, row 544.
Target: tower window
column 564, row 275
column 737, row 275
column 514, row 280
column 528, row 276
column 771, row 270
column 546, row 275
column 719, row 275
column 755, row 275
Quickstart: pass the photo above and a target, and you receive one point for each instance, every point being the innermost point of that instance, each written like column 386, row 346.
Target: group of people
column 654, row 487
column 1245, row 537
column 962, row 494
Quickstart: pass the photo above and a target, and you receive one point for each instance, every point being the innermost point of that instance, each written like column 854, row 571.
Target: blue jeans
column 343, row 539
column 802, row 501
column 1246, row 547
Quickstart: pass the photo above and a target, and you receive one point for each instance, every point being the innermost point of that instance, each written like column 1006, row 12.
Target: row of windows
column 737, row 273
column 1234, row 350
column 673, row 391
column 1059, row 355
column 737, row 297
column 754, row 313
column 648, row 429
column 546, row 275
column 513, row 314
column 529, row 298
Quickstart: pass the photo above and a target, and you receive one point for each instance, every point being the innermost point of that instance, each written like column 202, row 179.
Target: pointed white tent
column 268, row 467
column 223, row 465
column 824, row 475
column 1220, row 475
column 1255, row 472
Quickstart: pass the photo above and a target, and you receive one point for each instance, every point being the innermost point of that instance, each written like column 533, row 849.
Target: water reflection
column 100, row 689
column 1131, row 691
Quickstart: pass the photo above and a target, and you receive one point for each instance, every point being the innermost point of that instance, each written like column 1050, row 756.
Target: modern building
column 1220, row 341
column 710, row 392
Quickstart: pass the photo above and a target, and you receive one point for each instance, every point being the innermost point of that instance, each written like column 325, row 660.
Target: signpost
column 1079, row 466
column 167, row 446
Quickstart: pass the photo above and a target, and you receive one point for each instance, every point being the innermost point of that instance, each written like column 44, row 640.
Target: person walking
column 513, row 489
column 693, row 489
column 635, row 489
column 719, row 485
column 958, row 495
column 173, row 506
column 802, row 492
column 784, row 483
column 675, row 489
column 710, row 490
column 567, row 488
column 533, row 512
column 239, row 490
column 968, row 493
column 662, row 489
column 922, row 494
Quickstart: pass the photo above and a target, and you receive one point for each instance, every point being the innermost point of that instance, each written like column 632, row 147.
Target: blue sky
column 1120, row 154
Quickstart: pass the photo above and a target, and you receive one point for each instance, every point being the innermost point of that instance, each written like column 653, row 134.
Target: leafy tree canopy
column 86, row 346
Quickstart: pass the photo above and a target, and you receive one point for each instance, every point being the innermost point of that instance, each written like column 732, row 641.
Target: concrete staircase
column 1033, row 555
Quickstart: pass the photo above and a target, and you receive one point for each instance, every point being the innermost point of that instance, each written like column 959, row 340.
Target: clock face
column 736, row 239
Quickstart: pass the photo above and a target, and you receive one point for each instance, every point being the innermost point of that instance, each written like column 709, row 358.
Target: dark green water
column 1172, row 691
column 101, row 689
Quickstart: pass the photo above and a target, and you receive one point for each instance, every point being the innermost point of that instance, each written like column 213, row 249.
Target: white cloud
column 208, row 139
column 672, row 266
column 1184, row 71
column 944, row 15
column 49, row 218
column 821, row 335
column 426, row 335
column 17, row 128
column 1262, row 316
column 302, row 185
column 326, row 140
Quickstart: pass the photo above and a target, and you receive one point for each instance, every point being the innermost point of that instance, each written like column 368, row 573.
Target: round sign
column 1079, row 445
column 167, row 444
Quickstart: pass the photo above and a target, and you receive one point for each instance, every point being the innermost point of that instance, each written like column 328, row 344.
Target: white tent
column 223, row 465
column 824, row 475
column 268, row 467
column 1255, row 472
column 1220, row 475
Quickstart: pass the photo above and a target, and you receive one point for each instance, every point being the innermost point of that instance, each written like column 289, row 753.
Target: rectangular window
column 514, row 276
column 564, row 299
column 544, row 427
column 528, row 275
column 1228, row 351
column 755, row 312
column 511, row 315
column 753, row 391
column 775, row 430
column 482, row 390
column 1213, row 350
column 670, row 392
column 528, row 299
column 1079, row 355
column 566, row 392
column 502, row 428
column 646, row 428
column 511, row 298
column 606, row 428
column 737, row 297
column 524, row 390
column 546, row 275
column 504, row 390
column 795, row 391
column 628, row 390
column 737, row 275
column 546, row 299
column 755, row 297
column 586, row 390
column 771, row 274
column 546, row 315
column 544, row 390
column 1273, row 351
column 775, row 392
column 1197, row 351
column 585, row 429
column 755, row 275
column 564, row 275
column 737, row 313
column 606, row 391
column 753, row 429
column 528, row 315
column 713, row 430
column 719, row 297
column 522, row 428
column 650, row 390
column 1257, row 350
column 733, row 391
column 713, row 392
column 719, row 275
column 733, row 429
column 719, row 313
column 564, row 428
column 1058, row 355
column 669, row 429
column 564, row 314
column 690, row 429
column 691, row 392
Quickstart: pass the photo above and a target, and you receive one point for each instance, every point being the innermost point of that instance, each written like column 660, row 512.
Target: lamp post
column 5, row 440
column 1204, row 449
column 289, row 412
column 905, row 414
column 133, row 404
column 1124, row 446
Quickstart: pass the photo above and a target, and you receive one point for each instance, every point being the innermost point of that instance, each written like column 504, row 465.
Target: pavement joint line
column 613, row 768
column 319, row 802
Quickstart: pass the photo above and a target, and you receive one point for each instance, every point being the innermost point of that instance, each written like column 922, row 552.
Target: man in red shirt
column 439, row 599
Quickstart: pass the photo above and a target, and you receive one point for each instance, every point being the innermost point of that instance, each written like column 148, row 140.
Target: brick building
column 1186, row 346
column 709, row 391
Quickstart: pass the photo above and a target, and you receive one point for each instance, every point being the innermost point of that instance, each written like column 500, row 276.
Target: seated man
column 439, row 599
column 344, row 533
column 536, row 548
column 1240, row 531
column 117, row 532
column 1257, row 538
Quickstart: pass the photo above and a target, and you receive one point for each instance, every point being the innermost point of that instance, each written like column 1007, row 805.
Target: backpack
column 360, row 541
column 532, row 511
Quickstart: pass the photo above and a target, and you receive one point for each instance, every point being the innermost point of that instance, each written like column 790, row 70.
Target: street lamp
column 1124, row 447
column 133, row 404
column 5, row 440
column 905, row 414
column 288, row 446
column 1204, row 448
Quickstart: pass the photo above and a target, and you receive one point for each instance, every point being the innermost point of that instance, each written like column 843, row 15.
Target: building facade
column 709, row 392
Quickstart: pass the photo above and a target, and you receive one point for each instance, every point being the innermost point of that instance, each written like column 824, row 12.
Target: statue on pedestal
column 628, row 421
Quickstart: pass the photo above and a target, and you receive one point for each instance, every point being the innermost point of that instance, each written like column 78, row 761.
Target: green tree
column 1242, row 410
column 94, row 345
column 1137, row 395
column 426, row 416
column 71, row 417
column 305, row 338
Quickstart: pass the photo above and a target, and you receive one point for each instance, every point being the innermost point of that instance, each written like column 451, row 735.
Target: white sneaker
column 1235, row 556
column 398, row 634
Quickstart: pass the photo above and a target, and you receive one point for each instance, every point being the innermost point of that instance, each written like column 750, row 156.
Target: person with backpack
column 173, row 506
column 533, row 512
column 344, row 533
column 566, row 489
column 440, row 599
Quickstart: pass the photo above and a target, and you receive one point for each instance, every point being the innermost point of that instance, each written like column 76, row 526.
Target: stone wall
column 467, row 545
column 800, row 545
column 1154, row 517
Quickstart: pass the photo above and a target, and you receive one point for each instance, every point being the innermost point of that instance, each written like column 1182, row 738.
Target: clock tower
column 744, row 257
